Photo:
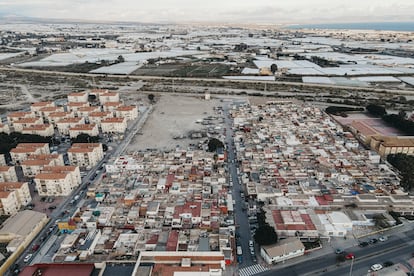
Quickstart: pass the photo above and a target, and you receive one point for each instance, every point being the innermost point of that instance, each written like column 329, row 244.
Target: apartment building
column 15, row 116
column 85, row 154
column 4, row 128
column 90, row 129
column 108, row 97
column 36, row 107
column 45, row 130
column 111, row 106
column 55, row 117
column 129, row 112
column 85, row 111
column 72, row 170
column 46, row 111
column 35, row 163
column 74, row 106
column 21, row 189
column 78, row 97
column 54, row 184
column 20, row 124
column 65, row 124
column 8, row 174
column 23, row 150
column 8, row 203
column 97, row 117
column 114, row 125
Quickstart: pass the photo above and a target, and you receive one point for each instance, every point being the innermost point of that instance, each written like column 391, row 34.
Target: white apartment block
column 90, row 129
column 108, row 97
column 23, row 150
column 72, row 170
column 8, row 203
column 35, row 107
column 46, row 111
column 21, row 189
column 15, row 116
column 8, row 174
column 44, row 130
column 2, row 160
column 85, row 111
column 78, row 97
column 54, row 184
column 55, row 117
column 85, row 154
column 74, row 106
column 114, row 125
column 97, row 117
column 4, row 128
column 35, row 164
column 19, row 125
column 111, row 106
column 129, row 112
column 64, row 125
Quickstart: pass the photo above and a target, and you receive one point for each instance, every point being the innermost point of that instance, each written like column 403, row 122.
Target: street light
column 352, row 263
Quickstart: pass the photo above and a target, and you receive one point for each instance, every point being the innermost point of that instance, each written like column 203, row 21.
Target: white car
column 376, row 267
column 27, row 258
column 383, row 238
column 251, row 243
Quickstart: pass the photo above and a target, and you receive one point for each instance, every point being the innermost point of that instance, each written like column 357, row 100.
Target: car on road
column 250, row 243
column 373, row 240
column 35, row 247
column 339, row 251
column 376, row 267
column 363, row 244
column 349, row 256
column 388, row 263
column 52, row 207
column 383, row 238
column 27, row 258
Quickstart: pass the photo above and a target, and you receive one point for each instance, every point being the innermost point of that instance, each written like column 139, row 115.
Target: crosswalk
column 252, row 270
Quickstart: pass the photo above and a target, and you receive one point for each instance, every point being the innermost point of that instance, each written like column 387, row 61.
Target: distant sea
column 378, row 26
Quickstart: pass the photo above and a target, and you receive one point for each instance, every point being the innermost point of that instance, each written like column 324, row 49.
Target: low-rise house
column 8, row 174
column 114, row 125
column 85, row 154
column 286, row 249
column 90, row 129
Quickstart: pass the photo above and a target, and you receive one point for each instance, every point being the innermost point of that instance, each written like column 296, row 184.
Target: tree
column 265, row 235
column 405, row 164
column 214, row 144
column 85, row 138
column 376, row 110
column 151, row 97
column 273, row 68
column 120, row 59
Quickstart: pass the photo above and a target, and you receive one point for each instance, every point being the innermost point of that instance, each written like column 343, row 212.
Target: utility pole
column 352, row 263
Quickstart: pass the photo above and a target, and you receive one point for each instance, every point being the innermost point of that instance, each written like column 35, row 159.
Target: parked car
column 27, row 258
column 383, row 238
column 250, row 243
column 373, row 240
column 376, row 267
column 52, row 207
column 388, row 263
column 363, row 244
column 35, row 247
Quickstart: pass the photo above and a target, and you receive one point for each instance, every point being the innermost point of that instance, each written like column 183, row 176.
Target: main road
column 398, row 248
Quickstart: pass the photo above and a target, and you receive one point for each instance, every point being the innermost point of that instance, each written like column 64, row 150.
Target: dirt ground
column 173, row 115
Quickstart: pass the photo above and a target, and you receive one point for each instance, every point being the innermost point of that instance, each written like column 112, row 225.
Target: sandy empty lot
column 173, row 115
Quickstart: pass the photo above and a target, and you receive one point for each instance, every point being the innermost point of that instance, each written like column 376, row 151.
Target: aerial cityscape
column 171, row 139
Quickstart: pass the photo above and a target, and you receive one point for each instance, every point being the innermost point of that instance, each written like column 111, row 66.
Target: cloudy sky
column 231, row 11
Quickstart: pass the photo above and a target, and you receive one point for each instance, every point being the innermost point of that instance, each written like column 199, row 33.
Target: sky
column 220, row 11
